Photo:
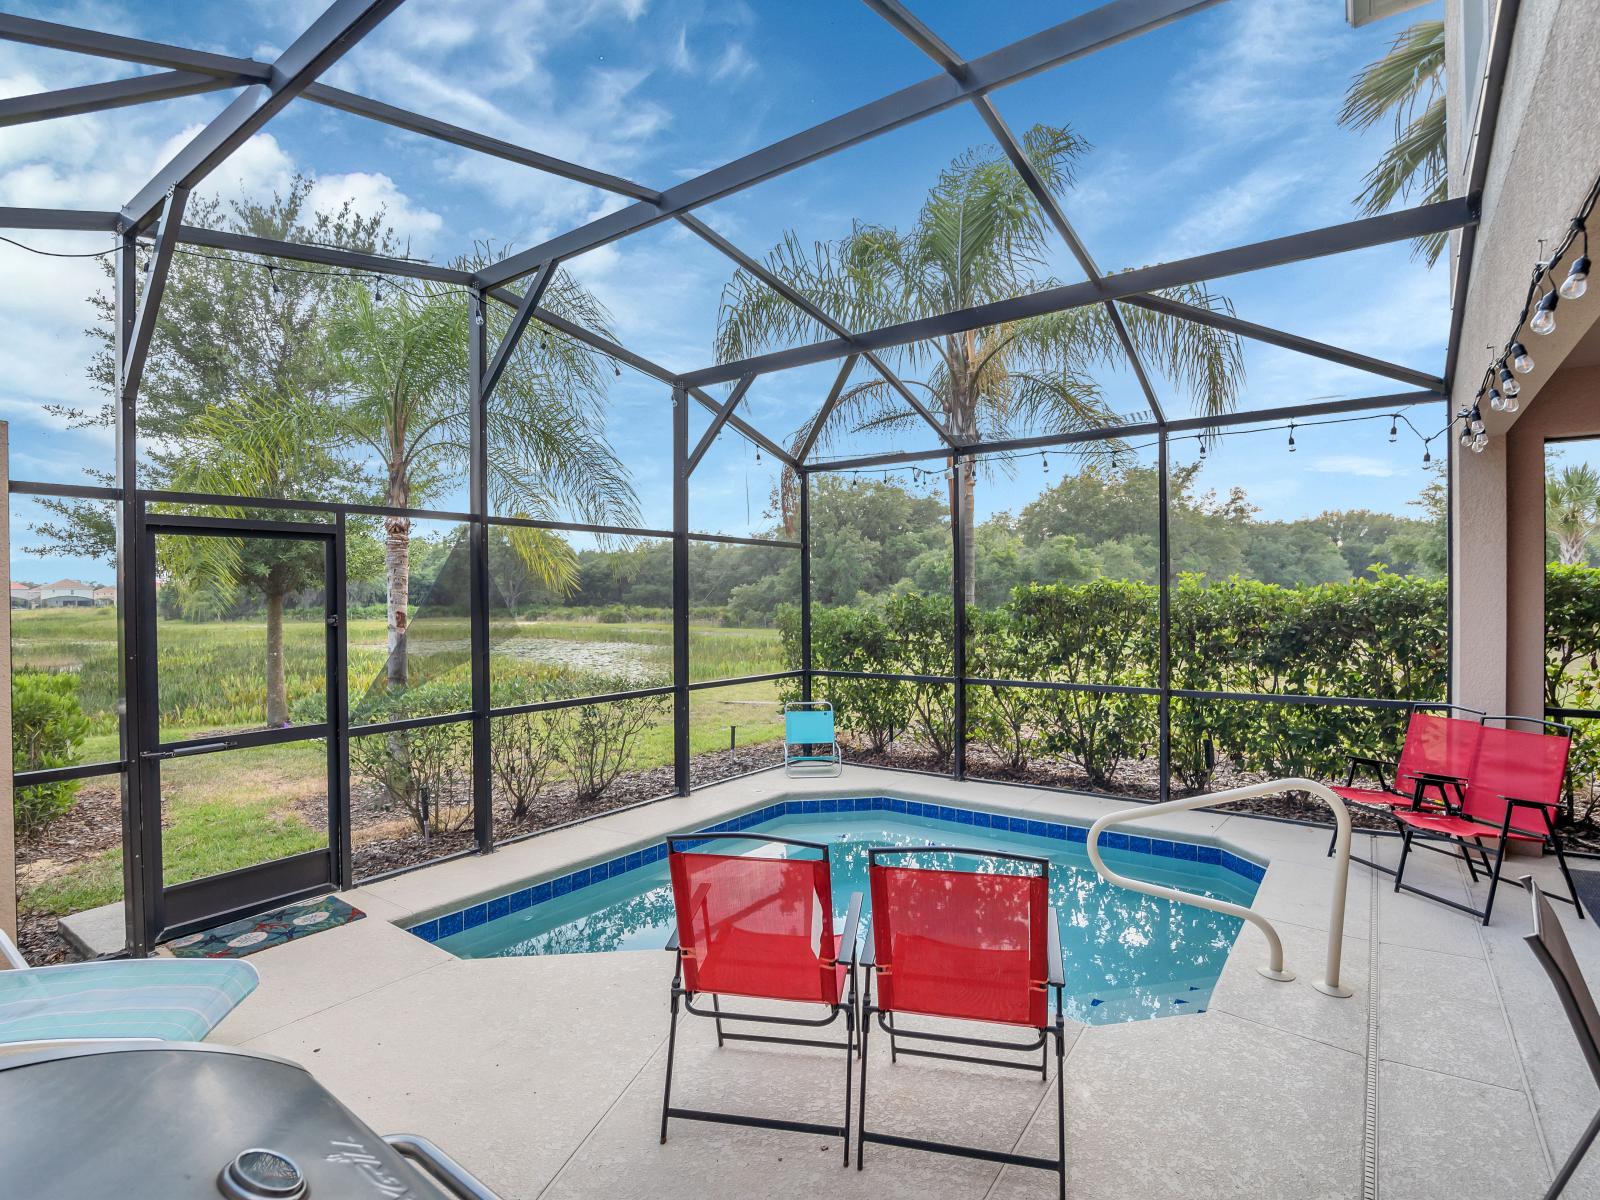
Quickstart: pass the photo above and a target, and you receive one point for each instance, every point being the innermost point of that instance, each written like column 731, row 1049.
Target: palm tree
column 1407, row 82
column 1572, row 511
column 268, row 444
column 981, row 235
column 407, row 400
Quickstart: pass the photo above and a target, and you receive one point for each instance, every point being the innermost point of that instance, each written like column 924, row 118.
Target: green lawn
column 226, row 811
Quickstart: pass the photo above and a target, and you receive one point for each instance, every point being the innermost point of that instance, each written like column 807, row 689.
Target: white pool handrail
column 1329, row 984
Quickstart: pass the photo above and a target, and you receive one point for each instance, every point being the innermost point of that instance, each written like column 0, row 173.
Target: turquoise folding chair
column 149, row 999
column 809, row 745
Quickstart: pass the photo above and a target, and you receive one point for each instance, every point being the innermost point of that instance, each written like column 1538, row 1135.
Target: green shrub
column 47, row 730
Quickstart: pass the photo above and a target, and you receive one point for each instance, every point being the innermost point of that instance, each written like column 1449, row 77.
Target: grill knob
column 262, row 1175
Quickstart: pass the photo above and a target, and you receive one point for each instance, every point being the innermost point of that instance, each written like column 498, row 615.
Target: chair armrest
column 868, row 955
column 9, row 952
column 852, row 925
column 1436, row 777
column 1057, row 975
column 1366, row 761
column 672, row 942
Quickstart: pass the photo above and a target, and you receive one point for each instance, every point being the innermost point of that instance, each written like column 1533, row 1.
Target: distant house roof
column 63, row 585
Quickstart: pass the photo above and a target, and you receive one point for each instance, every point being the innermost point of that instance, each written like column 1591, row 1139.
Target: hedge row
column 1375, row 638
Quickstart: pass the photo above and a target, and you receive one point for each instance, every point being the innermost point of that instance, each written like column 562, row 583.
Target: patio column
column 1478, row 567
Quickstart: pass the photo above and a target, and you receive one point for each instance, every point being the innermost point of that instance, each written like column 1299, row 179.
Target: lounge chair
column 760, row 928
column 810, row 746
column 1512, row 793
column 1549, row 943
column 155, row 999
column 970, row 946
column 1432, row 768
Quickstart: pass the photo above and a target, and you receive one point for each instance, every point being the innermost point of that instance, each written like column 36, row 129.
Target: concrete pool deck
column 1452, row 1066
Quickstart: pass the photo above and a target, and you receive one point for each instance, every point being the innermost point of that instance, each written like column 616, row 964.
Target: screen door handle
column 186, row 751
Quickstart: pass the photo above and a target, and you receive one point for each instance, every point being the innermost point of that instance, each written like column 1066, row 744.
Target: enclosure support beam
column 1275, row 252
column 680, row 590
column 116, row 93
column 1483, row 132
column 139, row 918
column 828, row 405
column 643, row 365
column 1082, row 35
column 1164, row 621
column 717, row 422
column 339, row 28
column 958, row 631
column 519, row 322
column 155, row 283
column 478, row 553
column 795, row 297
column 931, row 44
column 805, row 586
column 1288, row 341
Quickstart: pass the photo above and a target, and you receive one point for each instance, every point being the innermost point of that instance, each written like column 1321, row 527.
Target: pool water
column 1127, row 956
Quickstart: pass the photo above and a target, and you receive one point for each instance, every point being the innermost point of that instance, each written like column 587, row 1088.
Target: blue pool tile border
column 470, row 917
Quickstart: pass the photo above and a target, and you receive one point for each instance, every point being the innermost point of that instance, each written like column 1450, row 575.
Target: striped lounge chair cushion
column 165, row 999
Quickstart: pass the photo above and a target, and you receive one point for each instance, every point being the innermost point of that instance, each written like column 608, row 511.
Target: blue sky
column 1214, row 131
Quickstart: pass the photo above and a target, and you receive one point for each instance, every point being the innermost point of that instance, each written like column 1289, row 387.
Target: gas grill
column 184, row 1121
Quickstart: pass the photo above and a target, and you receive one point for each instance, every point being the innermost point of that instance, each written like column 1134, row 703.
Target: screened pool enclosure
column 1143, row 675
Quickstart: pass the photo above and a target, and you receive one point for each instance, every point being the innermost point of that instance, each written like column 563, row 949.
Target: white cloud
column 735, row 62
column 1354, row 464
column 370, row 193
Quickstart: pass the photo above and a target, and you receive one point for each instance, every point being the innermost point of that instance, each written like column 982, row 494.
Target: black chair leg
column 1568, row 1168
column 1561, row 858
column 1499, row 862
column 849, row 1066
column 717, row 1008
column 1061, row 1103
column 672, row 1043
column 1405, row 852
column 1466, row 857
column 861, row 1100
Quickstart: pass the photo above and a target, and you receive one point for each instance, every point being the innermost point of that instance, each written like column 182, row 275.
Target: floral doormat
column 265, row 930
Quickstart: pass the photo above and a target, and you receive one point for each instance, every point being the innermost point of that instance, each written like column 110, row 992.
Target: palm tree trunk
column 961, row 416
column 1574, row 546
column 277, row 684
column 397, row 584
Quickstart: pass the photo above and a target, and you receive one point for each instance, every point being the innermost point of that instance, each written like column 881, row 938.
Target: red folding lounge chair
column 971, row 946
column 1434, row 760
column 762, row 928
column 1549, row 943
column 1512, row 794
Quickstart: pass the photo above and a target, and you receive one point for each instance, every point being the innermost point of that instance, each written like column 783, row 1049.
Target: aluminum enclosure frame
column 153, row 217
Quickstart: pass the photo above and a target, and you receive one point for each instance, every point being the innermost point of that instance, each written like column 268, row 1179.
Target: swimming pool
column 1127, row 956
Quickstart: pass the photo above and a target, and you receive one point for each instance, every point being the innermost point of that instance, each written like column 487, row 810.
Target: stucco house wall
column 1545, row 155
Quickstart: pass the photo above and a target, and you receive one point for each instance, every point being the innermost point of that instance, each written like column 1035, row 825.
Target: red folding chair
column 1512, row 793
column 974, row 946
column 760, row 928
column 1431, row 772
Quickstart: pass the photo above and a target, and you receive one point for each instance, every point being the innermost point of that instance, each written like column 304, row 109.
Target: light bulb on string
column 1510, row 403
column 1394, row 430
column 1520, row 358
column 1496, row 404
column 1478, row 442
column 1427, row 454
column 616, row 370
column 1577, row 281
column 1509, row 386
column 1291, row 437
column 477, row 319
column 272, row 280
column 1044, row 461
column 1544, row 314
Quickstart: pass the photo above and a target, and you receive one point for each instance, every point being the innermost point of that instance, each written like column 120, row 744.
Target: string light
column 1394, row 429
column 1291, row 437
column 1577, row 281
column 1539, row 315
